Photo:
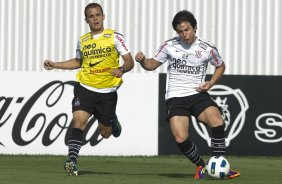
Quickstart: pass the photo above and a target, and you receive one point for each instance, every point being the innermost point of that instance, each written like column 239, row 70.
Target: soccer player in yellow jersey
column 99, row 77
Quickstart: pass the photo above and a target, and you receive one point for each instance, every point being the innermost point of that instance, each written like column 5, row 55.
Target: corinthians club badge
column 233, row 115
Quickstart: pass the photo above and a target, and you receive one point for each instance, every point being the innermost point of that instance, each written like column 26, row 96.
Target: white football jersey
column 187, row 64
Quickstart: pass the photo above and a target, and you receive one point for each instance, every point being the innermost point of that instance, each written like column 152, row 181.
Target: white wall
column 137, row 110
column 246, row 32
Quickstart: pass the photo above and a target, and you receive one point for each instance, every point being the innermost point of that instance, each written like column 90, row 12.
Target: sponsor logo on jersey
column 203, row 46
column 89, row 46
column 234, row 121
column 86, row 38
column 181, row 66
column 91, row 50
column 122, row 42
column 215, row 57
column 162, row 47
column 185, row 56
column 94, row 64
column 107, row 35
column 100, row 70
column 198, row 54
column 175, row 42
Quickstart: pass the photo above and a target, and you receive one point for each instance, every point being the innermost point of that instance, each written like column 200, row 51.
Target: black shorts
column 101, row 105
column 190, row 105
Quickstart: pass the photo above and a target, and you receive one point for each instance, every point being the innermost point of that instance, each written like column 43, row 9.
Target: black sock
column 190, row 150
column 75, row 143
column 218, row 141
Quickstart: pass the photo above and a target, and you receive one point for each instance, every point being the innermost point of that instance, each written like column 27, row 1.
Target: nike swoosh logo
column 94, row 64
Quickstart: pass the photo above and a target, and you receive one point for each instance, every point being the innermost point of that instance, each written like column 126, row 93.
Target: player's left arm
column 218, row 73
column 126, row 67
column 216, row 60
column 124, row 51
column 128, row 62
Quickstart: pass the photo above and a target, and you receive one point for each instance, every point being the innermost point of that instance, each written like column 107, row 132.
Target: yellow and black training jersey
column 99, row 57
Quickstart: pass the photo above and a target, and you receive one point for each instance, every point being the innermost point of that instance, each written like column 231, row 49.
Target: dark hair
column 184, row 16
column 92, row 5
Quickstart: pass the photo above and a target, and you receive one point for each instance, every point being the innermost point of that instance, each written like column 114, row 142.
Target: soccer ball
column 218, row 167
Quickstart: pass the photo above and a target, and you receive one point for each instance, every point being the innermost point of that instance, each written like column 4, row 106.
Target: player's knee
column 181, row 138
column 79, row 124
column 217, row 122
column 105, row 133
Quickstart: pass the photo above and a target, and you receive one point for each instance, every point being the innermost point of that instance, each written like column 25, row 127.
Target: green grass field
column 131, row 170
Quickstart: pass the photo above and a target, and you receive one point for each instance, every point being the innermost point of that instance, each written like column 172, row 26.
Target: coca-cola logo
column 32, row 119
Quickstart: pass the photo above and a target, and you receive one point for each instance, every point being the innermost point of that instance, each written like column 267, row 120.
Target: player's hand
column 204, row 87
column 117, row 73
column 48, row 65
column 139, row 57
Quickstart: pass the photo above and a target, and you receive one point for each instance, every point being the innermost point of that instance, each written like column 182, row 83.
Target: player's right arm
column 148, row 64
column 67, row 65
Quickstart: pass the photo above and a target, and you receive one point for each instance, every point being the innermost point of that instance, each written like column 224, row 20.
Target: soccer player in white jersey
column 186, row 90
column 99, row 78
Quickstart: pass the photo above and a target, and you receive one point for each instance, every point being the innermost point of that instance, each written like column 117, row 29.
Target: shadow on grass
column 170, row 175
column 92, row 172
column 177, row 175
